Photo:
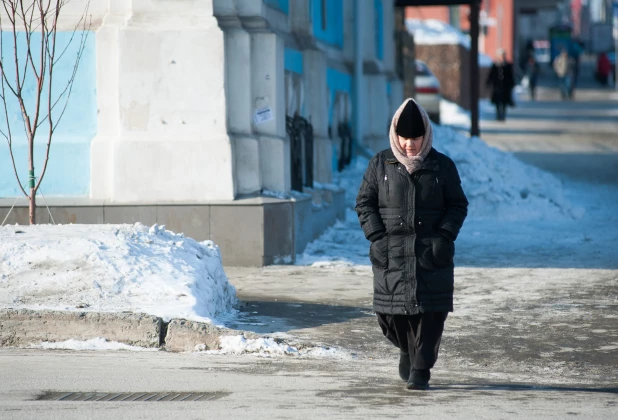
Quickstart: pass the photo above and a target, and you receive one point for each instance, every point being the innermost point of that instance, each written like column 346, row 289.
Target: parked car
column 428, row 91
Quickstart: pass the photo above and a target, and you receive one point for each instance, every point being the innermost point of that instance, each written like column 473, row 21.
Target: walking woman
column 411, row 207
column 501, row 80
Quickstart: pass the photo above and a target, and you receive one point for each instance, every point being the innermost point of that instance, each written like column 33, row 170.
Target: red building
column 497, row 23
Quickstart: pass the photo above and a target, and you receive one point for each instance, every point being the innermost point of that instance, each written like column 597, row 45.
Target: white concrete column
column 396, row 97
column 108, row 100
column 245, row 145
column 317, row 111
column 376, row 112
column 171, row 142
column 268, row 89
column 368, row 28
column 388, row 25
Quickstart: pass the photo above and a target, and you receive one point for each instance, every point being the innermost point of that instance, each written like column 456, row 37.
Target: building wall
column 68, row 171
column 175, row 122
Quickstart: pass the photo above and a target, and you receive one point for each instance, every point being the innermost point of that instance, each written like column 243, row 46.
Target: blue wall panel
column 327, row 16
column 68, row 171
column 293, row 60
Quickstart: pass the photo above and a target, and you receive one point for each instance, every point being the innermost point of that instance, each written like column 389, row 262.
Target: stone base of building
column 254, row 231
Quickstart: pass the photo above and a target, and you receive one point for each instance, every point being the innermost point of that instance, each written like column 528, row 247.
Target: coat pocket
column 434, row 253
column 378, row 252
column 443, row 252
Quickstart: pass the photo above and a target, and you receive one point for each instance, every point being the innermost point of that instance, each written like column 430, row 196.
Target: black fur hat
column 410, row 124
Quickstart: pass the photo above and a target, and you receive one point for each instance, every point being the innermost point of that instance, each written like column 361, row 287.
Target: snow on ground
column 113, row 268
column 499, row 187
column 436, row 32
column 452, row 115
column 98, row 343
column 238, row 344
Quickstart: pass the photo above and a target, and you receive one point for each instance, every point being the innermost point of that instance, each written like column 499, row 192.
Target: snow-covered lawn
column 112, row 268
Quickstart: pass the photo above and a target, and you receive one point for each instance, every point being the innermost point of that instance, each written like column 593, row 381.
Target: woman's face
column 412, row 147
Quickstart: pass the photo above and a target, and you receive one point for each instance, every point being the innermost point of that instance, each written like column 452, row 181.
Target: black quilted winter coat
column 412, row 222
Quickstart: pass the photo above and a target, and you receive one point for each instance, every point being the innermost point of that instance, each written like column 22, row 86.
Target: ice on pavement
column 98, row 343
column 113, row 268
column 267, row 346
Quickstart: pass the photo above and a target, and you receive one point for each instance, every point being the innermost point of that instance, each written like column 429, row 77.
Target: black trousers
column 501, row 111
column 419, row 335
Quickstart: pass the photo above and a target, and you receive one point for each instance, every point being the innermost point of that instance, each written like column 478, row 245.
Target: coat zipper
column 388, row 195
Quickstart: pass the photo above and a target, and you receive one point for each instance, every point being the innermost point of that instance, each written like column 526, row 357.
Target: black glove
column 446, row 234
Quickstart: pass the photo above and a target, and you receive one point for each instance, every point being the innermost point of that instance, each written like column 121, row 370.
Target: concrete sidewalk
column 534, row 333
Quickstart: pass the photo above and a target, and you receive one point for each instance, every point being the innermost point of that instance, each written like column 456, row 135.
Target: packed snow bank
column 453, row 115
column 436, row 32
column 498, row 185
column 112, row 268
column 98, row 343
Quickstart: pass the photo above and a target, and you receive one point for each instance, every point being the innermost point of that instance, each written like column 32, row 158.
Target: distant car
column 428, row 91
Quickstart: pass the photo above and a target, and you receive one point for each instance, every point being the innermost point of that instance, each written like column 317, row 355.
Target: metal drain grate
column 131, row 396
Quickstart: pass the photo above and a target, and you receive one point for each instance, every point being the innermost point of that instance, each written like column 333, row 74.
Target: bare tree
column 41, row 108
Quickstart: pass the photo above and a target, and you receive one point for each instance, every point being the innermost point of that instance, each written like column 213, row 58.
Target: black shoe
column 419, row 379
column 404, row 366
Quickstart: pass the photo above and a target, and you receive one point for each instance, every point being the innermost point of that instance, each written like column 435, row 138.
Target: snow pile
column 238, row 344
column 498, row 185
column 436, row 32
column 343, row 244
column 113, row 268
column 98, row 343
column 453, row 115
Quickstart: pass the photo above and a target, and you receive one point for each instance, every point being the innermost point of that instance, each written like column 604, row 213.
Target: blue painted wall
column 293, row 60
column 283, row 5
column 328, row 27
column 68, row 171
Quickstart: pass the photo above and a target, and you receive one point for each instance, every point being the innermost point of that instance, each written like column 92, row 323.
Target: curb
column 183, row 335
column 24, row 327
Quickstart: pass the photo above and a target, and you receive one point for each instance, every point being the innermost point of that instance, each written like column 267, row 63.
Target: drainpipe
column 358, row 75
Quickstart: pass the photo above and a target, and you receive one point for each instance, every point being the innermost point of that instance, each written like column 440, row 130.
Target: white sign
column 263, row 115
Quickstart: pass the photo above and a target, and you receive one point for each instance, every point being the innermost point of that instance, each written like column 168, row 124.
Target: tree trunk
column 32, row 206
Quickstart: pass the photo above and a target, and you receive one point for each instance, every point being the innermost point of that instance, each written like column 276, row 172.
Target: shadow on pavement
column 264, row 317
column 507, row 130
column 594, row 168
column 519, row 387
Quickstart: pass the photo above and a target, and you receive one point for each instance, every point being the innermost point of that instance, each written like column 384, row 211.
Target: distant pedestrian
column 604, row 68
column 411, row 207
column 564, row 66
column 532, row 74
column 501, row 80
column 575, row 52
